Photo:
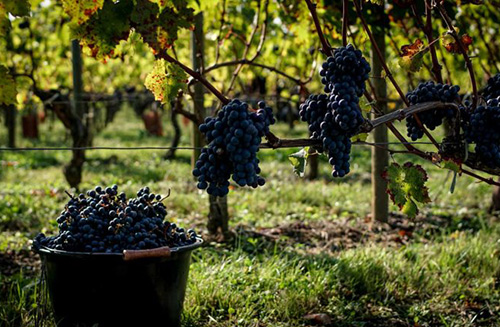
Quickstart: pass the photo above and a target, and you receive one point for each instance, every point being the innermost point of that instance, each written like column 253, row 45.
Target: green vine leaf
column 299, row 161
column 451, row 165
column 8, row 89
column 80, row 11
column 165, row 80
column 105, row 29
column 159, row 29
column 16, row 7
column 360, row 137
column 406, row 186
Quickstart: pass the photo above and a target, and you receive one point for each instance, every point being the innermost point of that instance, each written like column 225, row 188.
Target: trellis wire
column 139, row 148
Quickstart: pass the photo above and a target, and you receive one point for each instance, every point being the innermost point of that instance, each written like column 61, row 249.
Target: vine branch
column 345, row 22
column 195, row 75
column 463, row 50
column 326, row 48
column 251, row 63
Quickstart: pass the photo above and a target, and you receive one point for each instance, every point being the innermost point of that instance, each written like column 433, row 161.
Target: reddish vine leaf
column 412, row 56
column 406, row 186
column 453, row 47
column 165, row 80
column 105, row 29
column 8, row 90
column 80, row 11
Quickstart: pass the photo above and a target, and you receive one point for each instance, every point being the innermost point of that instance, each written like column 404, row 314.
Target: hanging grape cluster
column 104, row 221
column 492, row 90
column 483, row 130
column 233, row 140
column 429, row 92
column 335, row 117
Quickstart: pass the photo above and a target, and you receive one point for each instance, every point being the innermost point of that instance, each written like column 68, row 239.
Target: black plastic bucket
column 104, row 290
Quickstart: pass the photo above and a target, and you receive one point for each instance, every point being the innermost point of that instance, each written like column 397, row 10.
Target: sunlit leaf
column 452, row 46
column 299, row 161
column 451, row 165
column 105, row 29
column 165, row 80
column 412, row 56
column 406, row 186
column 80, row 11
column 359, row 137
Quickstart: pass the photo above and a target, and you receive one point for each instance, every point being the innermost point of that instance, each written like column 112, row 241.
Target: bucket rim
column 178, row 249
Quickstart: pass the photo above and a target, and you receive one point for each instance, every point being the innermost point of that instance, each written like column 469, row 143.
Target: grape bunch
column 344, row 76
column 492, row 90
column 323, row 127
column 483, row 131
column 313, row 112
column 104, row 220
column 429, row 92
column 233, row 140
column 347, row 65
column 335, row 117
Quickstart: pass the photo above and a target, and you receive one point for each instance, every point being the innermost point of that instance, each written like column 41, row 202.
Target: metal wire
column 139, row 148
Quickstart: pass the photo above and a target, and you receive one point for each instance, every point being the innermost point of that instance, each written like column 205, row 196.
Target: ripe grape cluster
column 492, row 90
column 104, row 221
column 428, row 92
column 335, row 117
column 483, row 131
column 233, row 140
column 323, row 127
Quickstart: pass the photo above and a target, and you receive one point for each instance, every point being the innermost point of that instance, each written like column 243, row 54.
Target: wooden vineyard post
column 197, row 47
column 380, row 156
column 73, row 170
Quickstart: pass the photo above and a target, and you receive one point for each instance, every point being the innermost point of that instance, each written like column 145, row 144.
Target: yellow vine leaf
column 80, row 11
column 165, row 80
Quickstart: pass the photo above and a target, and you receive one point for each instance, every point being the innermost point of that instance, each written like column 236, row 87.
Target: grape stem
column 71, row 196
column 251, row 63
column 248, row 43
column 196, row 75
column 166, row 196
column 463, row 50
column 345, row 22
column 326, row 48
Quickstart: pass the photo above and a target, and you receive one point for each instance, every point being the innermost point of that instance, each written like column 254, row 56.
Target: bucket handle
column 163, row 252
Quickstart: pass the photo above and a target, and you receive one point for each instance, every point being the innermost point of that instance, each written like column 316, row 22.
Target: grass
column 441, row 277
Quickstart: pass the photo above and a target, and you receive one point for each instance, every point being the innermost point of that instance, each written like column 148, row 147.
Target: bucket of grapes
column 116, row 261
